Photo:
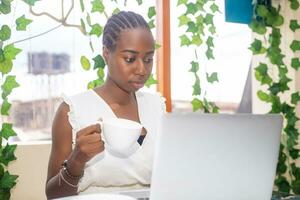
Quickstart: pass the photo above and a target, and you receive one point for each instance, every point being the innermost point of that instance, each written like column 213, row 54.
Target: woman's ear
column 105, row 53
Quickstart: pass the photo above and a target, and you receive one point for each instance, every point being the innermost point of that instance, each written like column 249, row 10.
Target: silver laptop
column 216, row 157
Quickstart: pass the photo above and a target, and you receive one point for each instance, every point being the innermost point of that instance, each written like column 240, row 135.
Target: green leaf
column 263, row 96
column 208, row 19
column 139, row 2
column 9, row 84
column 183, row 20
column 257, row 48
column 212, row 78
column 212, row 29
column 6, row 66
column 214, row 8
column 151, row 24
column 99, row 62
column 82, row 25
column 295, row 63
column 10, row 52
column 210, row 41
column 294, row 4
column 85, row 63
column 95, row 83
column 150, row 81
column 195, row 66
column 100, row 73
column 196, row 40
column 262, row 68
column 7, row 131
column 5, row 107
column 192, row 27
column 5, row 33
column 7, row 154
column 197, row 104
column 283, row 185
column 116, row 11
column 97, row 6
column 294, row 25
column 191, row 9
column 82, row 5
column 196, row 86
column 22, row 23
column 262, row 11
column 157, row 46
column 151, row 12
column 181, row 2
column 258, row 27
column 30, row 2
column 88, row 19
column 8, row 181
column 184, row 40
column 295, row 46
column 296, row 186
column 96, row 30
column 295, row 98
column 209, row 54
column 5, row 8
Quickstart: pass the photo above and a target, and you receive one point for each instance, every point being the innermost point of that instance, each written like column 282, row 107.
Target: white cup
column 120, row 134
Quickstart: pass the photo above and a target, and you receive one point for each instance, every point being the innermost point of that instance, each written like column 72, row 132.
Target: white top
column 106, row 172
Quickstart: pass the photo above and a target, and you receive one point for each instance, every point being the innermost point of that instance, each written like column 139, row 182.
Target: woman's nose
column 141, row 68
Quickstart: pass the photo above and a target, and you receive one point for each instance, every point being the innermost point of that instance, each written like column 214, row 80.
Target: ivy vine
column 199, row 24
column 267, row 22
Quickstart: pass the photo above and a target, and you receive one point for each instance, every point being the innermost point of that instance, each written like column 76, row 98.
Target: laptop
column 216, row 157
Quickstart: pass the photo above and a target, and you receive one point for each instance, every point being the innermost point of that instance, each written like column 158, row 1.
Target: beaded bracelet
column 61, row 176
column 65, row 168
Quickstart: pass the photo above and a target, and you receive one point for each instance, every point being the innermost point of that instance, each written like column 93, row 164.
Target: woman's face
column 130, row 64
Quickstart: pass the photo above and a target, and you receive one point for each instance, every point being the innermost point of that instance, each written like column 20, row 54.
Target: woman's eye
column 148, row 60
column 129, row 60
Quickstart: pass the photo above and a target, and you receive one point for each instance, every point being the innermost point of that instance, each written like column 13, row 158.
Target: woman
column 128, row 48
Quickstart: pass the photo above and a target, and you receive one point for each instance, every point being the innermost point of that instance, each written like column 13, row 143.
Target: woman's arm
column 88, row 144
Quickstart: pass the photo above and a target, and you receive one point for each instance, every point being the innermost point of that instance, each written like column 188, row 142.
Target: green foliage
column 294, row 25
column 150, row 81
column 212, row 78
column 295, row 46
column 294, row 4
column 151, row 12
column 197, row 104
column 30, row 2
column 8, row 154
column 97, row 30
column 22, row 23
column 257, row 47
column 7, row 130
column 82, row 6
column 99, row 62
column 9, row 84
column 97, row 6
column 85, row 63
column 5, row 7
column 5, row 33
column 295, row 63
column 10, row 52
column 257, row 27
column 5, row 107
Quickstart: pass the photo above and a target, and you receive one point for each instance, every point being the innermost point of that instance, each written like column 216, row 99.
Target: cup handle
column 100, row 122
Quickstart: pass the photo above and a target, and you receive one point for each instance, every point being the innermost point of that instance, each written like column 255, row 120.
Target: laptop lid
column 216, row 156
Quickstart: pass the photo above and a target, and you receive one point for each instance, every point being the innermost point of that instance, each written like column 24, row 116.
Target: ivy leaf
column 88, row 19
column 150, row 81
column 6, row 66
column 212, row 29
column 192, row 27
column 294, row 25
column 191, row 9
column 263, row 96
column 151, row 24
column 99, row 62
column 97, row 6
column 157, row 46
column 295, row 46
column 183, row 20
column 116, row 11
column 195, row 67
column 5, row 107
column 212, row 78
column 96, row 30
column 181, row 2
column 262, row 69
column 139, row 2
column 196, row 40
column 22, row 23
column 5, row 33
column 294, row 4
column 85, row 63
column 209, row 54
column 8, row 181
column 257, row 48
column 7, row 131
column 30, row 2
column 197, row 104
column 100, row 73
column 295, row 63
column 9, row 84
column 184, row 40
column 208, row 19
column 151, row 12
column 82, row 5
column 257, row 27
column 5, row 8
column 196, row 87
column 210, row 42
column 282, row 184
column 262, row 11
column 95, row 83
column 10, row 51
column 295, row 98
column 7, row 154
column 214, row 8
column 82, row 25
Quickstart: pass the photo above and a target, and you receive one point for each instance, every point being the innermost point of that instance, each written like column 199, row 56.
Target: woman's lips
column 137, row 84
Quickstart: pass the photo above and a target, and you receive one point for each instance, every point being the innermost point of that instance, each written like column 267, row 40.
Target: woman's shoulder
column 152, row 99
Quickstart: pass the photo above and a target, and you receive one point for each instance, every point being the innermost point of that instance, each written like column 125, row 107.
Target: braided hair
column 119, row 22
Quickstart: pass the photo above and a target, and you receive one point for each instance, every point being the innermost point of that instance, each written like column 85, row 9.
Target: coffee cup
column 120, row 135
